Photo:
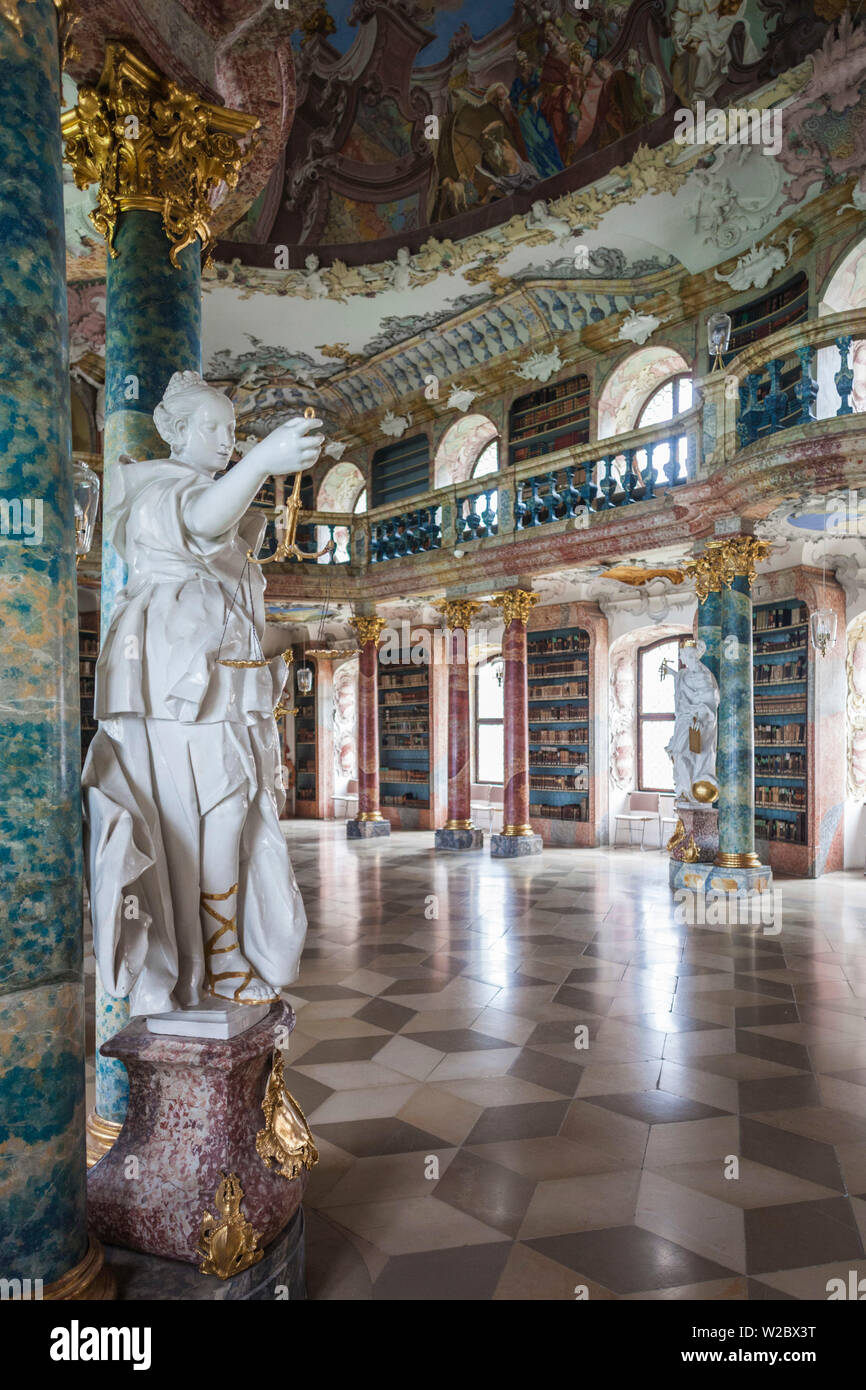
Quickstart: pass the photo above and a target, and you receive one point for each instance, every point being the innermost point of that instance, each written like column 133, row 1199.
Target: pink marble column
column 369, row 822
column 459, row 832
column 459, row 771
column 518, row 837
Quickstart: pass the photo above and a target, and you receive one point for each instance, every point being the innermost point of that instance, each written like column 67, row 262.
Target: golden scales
column 287, row 549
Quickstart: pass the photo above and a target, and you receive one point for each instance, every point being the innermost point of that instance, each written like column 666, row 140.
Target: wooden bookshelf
column 400, row 470
column 554, row 417
column 306, row 732
column 404, row 744
column 88, row 651
column 769, row 314
column 780, row 638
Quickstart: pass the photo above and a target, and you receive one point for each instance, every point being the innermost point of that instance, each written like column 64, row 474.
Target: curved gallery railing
column 799, row 378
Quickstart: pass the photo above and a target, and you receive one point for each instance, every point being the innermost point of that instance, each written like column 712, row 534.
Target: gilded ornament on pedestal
column 678, row 836
column 146, row 143
column 516, row 604
column 285, row 1142
column 368, row 629
column 227, row 1241
column 691, row 853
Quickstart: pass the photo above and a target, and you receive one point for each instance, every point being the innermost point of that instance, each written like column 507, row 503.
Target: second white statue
column 692, row 746
column 193, row 896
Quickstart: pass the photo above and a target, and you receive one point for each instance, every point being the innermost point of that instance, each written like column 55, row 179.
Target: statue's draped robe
column 178, row 733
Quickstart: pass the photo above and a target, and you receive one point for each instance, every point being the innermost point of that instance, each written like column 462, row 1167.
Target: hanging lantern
column 718, row 336
column 304, row 678
column 86, row 494
column 822, row 625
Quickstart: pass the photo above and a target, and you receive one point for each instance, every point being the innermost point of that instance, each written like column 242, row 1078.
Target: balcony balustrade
column 795, row 383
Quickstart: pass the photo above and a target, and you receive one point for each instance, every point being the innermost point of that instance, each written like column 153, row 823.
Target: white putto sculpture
column 692, row 747
column 192, row 892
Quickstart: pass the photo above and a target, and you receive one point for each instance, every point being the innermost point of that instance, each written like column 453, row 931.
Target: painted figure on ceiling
column 525, row 100
column 700, row 30
column 559, row 76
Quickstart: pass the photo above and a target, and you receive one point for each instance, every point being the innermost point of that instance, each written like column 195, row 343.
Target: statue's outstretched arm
column 288, row 449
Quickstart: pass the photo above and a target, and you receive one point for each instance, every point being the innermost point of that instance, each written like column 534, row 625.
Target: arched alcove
column 340, row 488
column 460, row 447
column 630, row 385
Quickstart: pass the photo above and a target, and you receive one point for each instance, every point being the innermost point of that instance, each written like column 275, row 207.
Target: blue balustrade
column 408, row 533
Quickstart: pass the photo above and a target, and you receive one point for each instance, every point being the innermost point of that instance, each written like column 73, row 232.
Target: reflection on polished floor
column 437, row 1007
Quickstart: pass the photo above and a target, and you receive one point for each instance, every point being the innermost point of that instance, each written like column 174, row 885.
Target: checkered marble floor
column 437, row 1008
column 709, row 1141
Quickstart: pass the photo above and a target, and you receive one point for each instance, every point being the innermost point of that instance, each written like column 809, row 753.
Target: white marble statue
column 313, row 281
column 398, row 273
column 191, row 889
column 692, row 747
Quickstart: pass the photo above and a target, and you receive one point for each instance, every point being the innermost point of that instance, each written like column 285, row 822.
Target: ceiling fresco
column 413, row 115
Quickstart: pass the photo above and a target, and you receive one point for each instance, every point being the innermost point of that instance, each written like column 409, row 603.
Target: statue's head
column 197, row 422
column 691, row 650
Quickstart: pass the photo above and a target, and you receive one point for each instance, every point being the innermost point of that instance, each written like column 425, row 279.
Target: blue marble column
column 153, row 328
column 735, row 762
column 42, row 1174
column 710, row 631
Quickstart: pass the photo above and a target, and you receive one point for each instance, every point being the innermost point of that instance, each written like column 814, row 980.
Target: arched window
column 631, row 385
column 461, row 449
column 489, row 721
column 672, row 398
column 360, row 502
column 655, row 715
column 487, row 461
column 666, row 402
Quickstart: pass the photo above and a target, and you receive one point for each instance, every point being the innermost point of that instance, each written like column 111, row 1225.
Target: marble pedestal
column 279, row 1275
column 514, row 846
column 367, row 829
column 195, row 1108
column 701, row 827
column 458, row 839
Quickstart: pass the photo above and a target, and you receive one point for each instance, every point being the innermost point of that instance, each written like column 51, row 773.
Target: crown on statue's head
column 182, row 382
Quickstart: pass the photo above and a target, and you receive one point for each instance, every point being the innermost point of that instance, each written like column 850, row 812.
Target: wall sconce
column 86, row 493
column 718, row 337
column 822, row 627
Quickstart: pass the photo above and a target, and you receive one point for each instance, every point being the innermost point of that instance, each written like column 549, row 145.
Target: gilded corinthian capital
column 723, row 561
column 368, row 629
column 516, row 604
column 458, row 612
column 147, row 143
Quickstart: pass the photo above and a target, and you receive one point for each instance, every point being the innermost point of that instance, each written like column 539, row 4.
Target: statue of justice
column 193, row 896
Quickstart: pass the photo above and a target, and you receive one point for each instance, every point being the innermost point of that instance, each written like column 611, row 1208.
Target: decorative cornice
column 149, row 144
column 516, row 604
column 369, row 629
column 723, row 561
column 458, row 612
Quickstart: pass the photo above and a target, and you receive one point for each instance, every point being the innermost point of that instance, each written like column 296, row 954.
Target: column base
column 89, row 1281
column 367, row 829
column 464, row 839
column 735, row 897
column 514, row 846
column 280, row 1274
column 101, row 1135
